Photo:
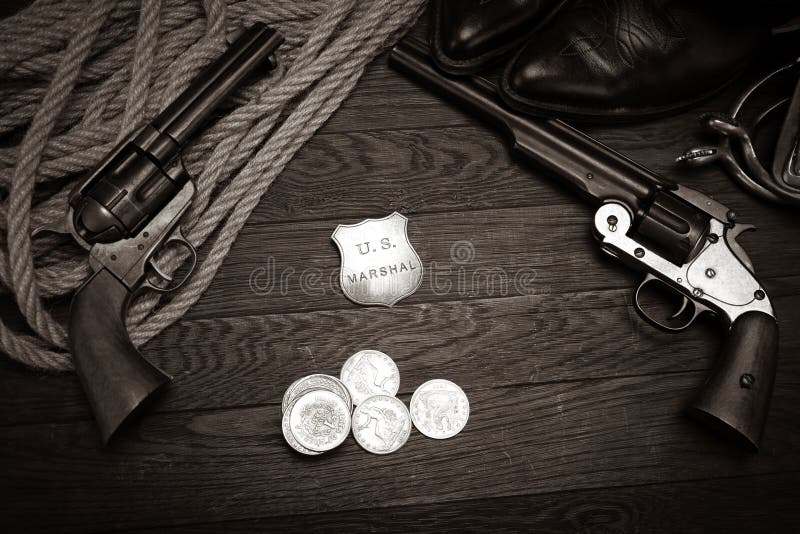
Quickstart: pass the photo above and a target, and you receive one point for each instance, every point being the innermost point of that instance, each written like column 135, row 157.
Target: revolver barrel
column 596, row 171
column 192, row 107
column 140, row 175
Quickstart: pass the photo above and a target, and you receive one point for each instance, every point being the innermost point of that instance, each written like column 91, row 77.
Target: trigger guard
column 669, row 328
column 180, row 239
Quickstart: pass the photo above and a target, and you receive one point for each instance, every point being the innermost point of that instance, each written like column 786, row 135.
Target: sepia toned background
column 576, row 420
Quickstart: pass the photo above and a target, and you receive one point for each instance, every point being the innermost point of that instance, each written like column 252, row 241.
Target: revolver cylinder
column 675, row 228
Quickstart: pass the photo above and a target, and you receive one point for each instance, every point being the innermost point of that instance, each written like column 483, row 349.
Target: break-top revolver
column 680, row 238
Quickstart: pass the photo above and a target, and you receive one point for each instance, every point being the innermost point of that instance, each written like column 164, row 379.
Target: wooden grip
column 115, row 377
column 736, row 395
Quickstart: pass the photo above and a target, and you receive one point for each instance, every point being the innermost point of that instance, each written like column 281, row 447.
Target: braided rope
column 82, row 75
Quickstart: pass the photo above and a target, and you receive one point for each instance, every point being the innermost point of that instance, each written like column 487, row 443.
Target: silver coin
column 316, row 381
column 289, row 437
column 319, row 420
column 439, row 409
column 381, row 424
column 370, row 372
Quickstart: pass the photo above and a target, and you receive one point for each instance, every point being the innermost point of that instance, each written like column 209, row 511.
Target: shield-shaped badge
column 379, row 265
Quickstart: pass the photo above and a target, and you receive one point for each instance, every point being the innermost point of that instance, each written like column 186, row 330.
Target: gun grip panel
column 735, row 398
column 114, row 375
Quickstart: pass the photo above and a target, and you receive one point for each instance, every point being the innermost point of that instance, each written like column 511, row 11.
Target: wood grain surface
column 576, row 422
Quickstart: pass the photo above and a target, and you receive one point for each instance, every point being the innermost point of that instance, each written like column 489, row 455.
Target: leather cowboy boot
column 625, row 60
column 467, row 35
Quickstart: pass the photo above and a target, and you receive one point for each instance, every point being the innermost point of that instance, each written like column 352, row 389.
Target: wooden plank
column 280, row 268
column 552, row 239
column 250, row 361
column 568, row 392
column 231, row 464
column 765, row 503
column 340, row 175
column 551, row 243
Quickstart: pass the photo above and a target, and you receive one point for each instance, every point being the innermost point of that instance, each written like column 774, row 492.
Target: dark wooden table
column 576, row 420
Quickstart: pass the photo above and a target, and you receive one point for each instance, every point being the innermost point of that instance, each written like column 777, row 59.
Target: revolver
column 682, row 240
column 124, row 214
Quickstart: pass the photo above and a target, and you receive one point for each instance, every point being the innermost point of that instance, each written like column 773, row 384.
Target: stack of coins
column 318, row 409
column 316, row 414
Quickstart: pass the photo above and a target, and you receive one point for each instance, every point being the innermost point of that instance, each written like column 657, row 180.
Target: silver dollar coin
column 315, row 381
column 319, row 420
column 370, row 372
column 439, row 409
column 381, row 424
column 289, row 437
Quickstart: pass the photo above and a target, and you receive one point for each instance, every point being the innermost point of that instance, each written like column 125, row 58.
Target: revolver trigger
column 684, row 304
column 178, row 238
column 688, row 308
column 161, row 274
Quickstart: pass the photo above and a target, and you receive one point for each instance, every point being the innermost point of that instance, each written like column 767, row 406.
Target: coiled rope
column 79, row 75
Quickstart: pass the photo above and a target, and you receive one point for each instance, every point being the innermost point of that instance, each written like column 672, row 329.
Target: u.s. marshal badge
column 379, row 265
